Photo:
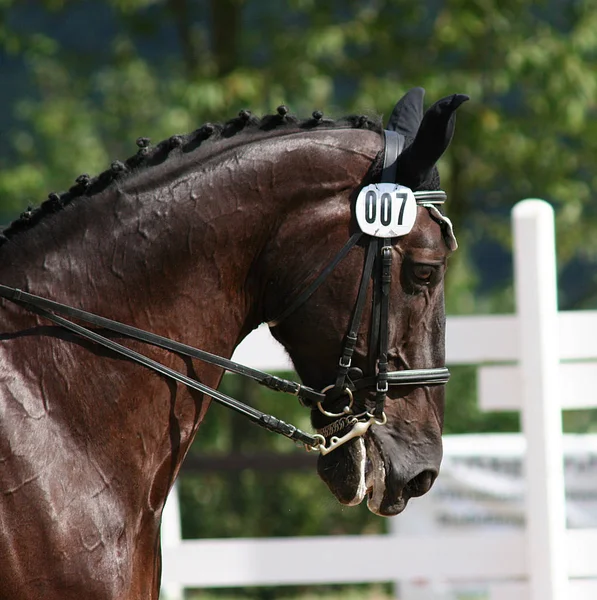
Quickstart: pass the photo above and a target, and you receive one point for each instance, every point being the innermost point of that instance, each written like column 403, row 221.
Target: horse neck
column 165, row 253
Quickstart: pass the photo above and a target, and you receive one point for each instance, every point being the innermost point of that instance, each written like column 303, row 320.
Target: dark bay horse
column 200, row 239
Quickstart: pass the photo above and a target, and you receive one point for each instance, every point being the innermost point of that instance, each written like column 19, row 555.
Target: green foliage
column 528, row 66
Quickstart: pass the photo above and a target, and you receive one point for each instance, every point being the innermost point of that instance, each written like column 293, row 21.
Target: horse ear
column 408, row 112
column 431, row 141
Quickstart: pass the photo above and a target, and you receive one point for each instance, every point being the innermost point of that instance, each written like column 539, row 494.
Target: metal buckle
column 345, row 365
column 380, row 389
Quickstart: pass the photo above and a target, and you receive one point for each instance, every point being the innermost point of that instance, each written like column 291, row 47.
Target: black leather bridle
column 377, row 267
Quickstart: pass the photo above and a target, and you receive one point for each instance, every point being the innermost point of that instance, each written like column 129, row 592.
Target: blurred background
column 80, row 80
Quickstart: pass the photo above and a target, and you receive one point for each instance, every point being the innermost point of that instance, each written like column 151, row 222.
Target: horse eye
column 423, row 274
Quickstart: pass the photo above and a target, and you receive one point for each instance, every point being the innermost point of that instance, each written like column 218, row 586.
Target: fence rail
column 365, row 558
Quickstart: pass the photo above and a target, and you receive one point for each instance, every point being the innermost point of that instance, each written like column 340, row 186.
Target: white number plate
column 386, row 210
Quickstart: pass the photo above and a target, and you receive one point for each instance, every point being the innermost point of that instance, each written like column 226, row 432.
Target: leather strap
column 375, row 311
column 310, row 289
column 394, row 144
column 353, row 330
column 268, row 421
column 31, row 301
column 437, row 376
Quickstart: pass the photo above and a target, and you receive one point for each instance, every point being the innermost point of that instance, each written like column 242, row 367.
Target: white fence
column 537, row 361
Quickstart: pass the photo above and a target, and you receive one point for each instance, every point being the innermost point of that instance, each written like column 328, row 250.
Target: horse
column 196, row 241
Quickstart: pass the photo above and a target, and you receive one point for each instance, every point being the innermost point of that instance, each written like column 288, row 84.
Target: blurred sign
column 481, row 482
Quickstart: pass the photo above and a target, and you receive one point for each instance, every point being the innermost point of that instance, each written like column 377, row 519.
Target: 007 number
column 381, row 207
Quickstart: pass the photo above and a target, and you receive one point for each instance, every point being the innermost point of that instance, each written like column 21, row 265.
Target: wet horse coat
column 200, row 240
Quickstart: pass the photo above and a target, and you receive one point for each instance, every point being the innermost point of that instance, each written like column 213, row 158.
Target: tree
column 529, row 68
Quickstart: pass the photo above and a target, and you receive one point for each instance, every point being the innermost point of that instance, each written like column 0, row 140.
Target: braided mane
column 148, row 156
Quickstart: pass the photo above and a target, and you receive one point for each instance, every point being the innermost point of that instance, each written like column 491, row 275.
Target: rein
column 43, row 306
column 377, row 267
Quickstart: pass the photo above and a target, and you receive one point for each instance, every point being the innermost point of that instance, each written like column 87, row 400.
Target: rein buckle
column 382, row 386
column 345, row 362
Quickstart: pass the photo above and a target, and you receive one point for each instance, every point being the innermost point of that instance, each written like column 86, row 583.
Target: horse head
column 400, row 454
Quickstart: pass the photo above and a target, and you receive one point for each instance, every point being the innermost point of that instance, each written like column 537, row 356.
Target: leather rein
column 377, row 267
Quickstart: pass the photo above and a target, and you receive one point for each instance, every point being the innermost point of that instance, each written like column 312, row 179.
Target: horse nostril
column 420, row 484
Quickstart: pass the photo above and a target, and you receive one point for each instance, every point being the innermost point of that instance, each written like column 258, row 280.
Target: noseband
column 378, row 268
column 378, row 262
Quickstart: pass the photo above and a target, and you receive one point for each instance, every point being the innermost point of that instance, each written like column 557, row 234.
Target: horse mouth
column 367, row 474
column 389, row 490
column 357, row 472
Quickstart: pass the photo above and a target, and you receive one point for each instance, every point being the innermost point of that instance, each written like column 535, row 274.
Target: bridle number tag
column 386, row 210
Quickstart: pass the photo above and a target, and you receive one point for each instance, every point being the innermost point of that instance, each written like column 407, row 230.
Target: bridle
column 348, row 380
column 378, row 268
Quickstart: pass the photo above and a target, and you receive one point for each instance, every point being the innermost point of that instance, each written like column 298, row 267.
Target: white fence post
column 536, row 299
